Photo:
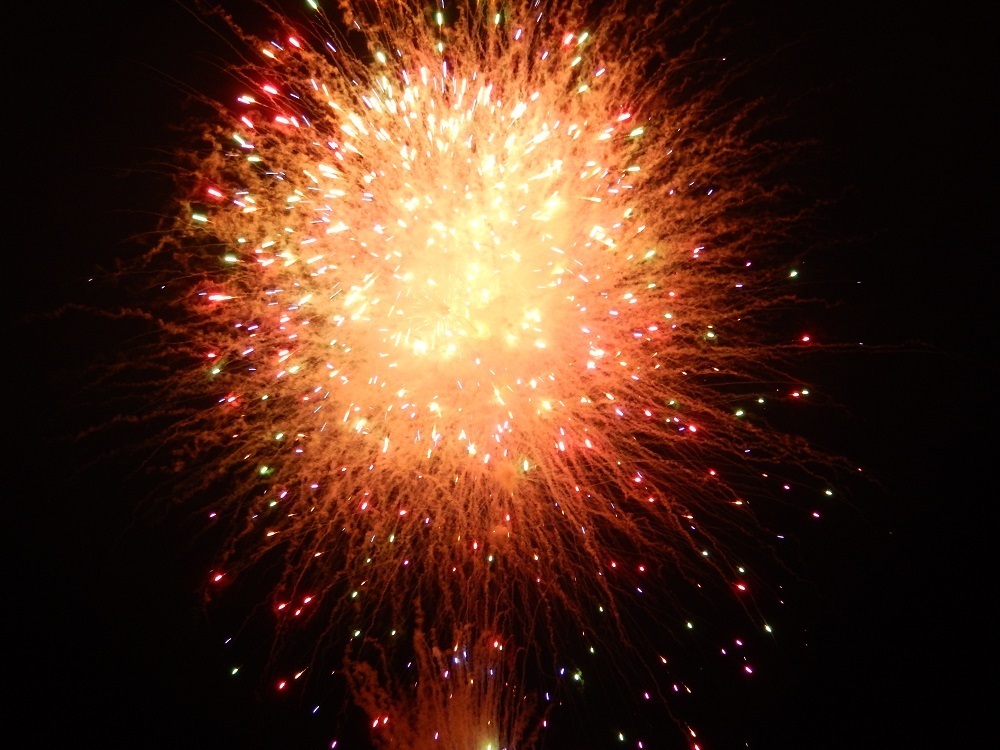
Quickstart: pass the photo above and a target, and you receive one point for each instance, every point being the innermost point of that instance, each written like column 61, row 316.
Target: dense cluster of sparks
column 466, row 299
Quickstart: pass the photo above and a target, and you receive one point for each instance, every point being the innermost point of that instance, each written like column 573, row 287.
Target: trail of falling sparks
column 465, row 299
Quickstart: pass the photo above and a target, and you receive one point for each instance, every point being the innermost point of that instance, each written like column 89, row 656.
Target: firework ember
column 481, row 310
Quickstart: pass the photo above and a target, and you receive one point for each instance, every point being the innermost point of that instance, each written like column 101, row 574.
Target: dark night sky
column 111, row 648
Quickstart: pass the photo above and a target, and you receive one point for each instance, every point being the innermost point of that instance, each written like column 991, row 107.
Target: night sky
column 111, row 646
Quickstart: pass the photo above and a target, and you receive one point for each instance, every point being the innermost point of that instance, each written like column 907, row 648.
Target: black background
column 110, row 646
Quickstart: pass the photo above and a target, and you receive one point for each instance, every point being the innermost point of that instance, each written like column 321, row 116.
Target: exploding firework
column 479, row 297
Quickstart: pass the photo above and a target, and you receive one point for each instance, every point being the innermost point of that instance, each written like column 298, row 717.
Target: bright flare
column 463, row 301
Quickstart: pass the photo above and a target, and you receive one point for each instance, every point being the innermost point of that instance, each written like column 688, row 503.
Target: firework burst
column 481, row 311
